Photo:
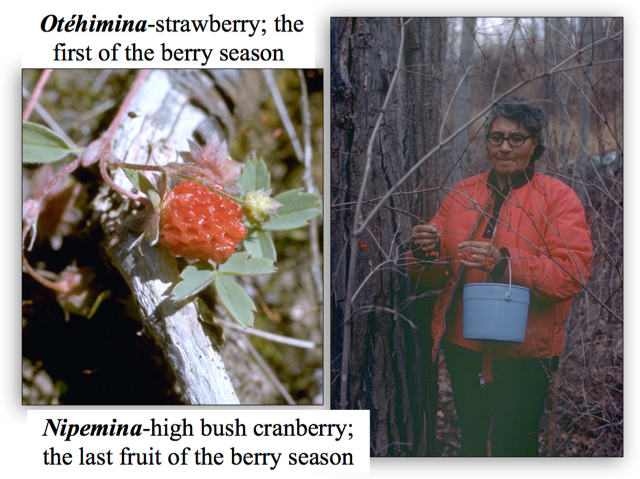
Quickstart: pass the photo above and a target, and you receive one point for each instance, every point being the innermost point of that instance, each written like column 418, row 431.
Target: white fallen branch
column 165, row 117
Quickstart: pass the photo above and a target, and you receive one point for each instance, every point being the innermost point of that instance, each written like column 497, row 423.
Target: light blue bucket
column 495, row 312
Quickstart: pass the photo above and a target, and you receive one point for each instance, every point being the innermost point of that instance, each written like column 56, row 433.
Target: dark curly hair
column 526, row 114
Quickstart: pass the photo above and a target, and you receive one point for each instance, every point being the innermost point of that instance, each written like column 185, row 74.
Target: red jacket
column 542, row 224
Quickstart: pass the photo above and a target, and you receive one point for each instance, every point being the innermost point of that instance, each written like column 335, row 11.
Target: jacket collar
column 516, row 182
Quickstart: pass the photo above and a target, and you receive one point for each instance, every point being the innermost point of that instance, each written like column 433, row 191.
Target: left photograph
column 172, row 237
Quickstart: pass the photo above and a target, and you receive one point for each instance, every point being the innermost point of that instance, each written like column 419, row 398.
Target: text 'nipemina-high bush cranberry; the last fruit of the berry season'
column 199, row 224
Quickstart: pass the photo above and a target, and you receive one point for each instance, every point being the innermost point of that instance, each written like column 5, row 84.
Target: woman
column 509, row 224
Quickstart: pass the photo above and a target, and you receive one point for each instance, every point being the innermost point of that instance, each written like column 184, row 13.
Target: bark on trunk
column 391, row 370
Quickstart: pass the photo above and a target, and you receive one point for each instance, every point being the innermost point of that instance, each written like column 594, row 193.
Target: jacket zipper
column 493, row 235
column 458, row 277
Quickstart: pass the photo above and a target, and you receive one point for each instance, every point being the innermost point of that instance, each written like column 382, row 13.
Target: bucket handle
column 508, row 295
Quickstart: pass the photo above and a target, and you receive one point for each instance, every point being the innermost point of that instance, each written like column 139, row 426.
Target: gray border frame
column 11, row 398
column 12, row 394
column 603, row 466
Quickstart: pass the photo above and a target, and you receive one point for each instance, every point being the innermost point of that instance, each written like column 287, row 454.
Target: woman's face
column 510, row 160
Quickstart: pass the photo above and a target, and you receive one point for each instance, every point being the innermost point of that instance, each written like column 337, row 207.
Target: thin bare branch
column 276, row 338
column 268, row 371
column 284, row 115
column 358, row 230
column 483, row 112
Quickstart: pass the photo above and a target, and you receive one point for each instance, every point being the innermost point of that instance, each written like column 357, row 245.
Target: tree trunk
column 463, row 100
column 391, row 372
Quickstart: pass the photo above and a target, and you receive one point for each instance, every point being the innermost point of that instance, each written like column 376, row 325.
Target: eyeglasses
column 515, row 140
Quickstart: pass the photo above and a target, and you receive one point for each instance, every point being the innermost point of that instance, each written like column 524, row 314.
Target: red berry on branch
column 199, row 224
column 467, row 255
column 602, row 260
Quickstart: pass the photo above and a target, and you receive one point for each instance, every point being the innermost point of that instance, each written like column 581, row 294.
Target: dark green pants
column 501, row 418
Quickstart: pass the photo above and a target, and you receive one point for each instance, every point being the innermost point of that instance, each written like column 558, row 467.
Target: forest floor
column 447, row 428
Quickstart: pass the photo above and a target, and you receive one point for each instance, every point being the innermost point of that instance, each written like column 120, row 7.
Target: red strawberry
column 198, row 224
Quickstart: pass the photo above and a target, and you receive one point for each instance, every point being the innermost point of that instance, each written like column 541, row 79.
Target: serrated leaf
column 241, row 264
column 235, row 299
column 259, row 244
column 297, row 208
column 41, row 145
column 195, row 278
column 255, row 176
column 142, row 183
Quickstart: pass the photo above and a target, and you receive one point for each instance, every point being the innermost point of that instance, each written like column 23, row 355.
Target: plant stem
column 44, row 76
column 110, row 182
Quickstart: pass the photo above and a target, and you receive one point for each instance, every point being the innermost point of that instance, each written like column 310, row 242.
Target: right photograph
column 477, row 234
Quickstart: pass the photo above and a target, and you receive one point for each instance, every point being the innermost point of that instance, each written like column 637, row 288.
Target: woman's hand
column 479, row 254
column 426, row 237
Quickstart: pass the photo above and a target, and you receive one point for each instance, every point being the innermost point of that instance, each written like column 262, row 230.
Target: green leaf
column 297, row 208
column 41, row 145
column 235, row 299
column 143, row 184
column 154, row 196
column 259, row 244
column 195, row 278
column 255, row 176
column 241, row 264
column 96, row 304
